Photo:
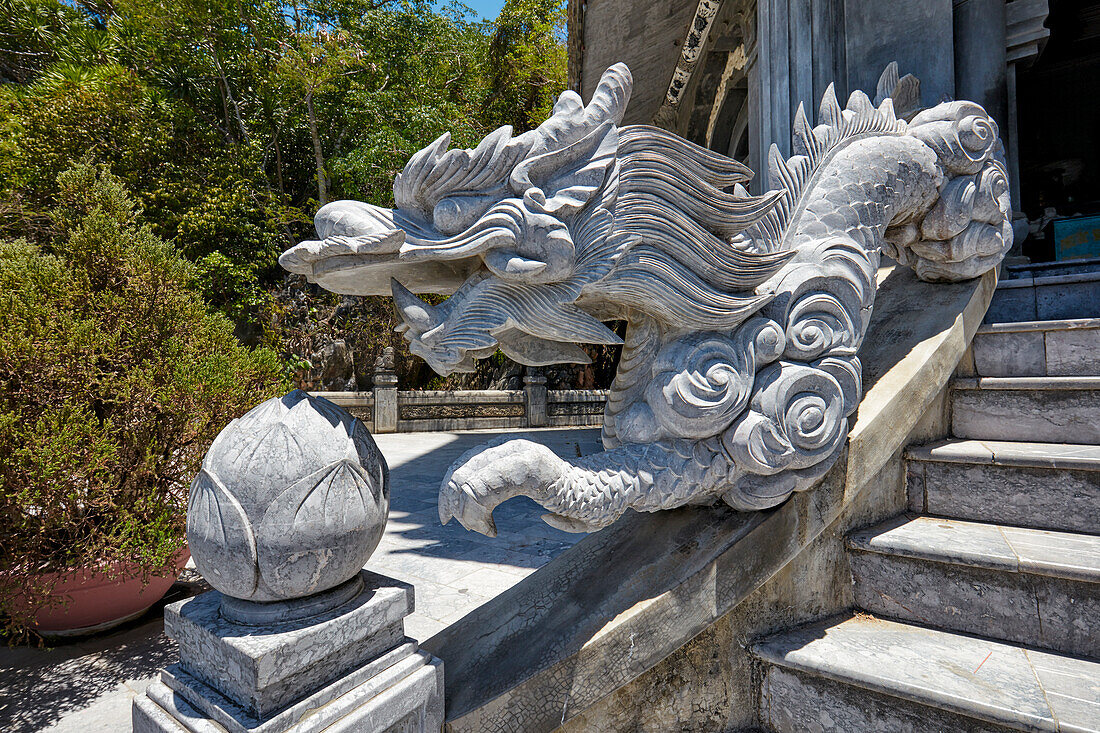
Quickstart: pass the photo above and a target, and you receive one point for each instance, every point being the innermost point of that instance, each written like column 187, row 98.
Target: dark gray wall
column 646, row 34
column 918, row 34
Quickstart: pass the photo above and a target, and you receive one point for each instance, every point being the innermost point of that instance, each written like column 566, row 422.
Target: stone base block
column 400, row 692
column 265, row 668
column 349, row 669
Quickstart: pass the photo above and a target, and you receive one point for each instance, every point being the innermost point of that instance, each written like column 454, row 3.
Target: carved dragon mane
column 745, row 314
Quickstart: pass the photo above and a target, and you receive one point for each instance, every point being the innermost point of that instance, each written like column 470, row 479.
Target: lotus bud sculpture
column 291, row 501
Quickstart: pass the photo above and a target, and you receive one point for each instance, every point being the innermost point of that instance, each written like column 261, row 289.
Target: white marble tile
column 1073, row 352
column 422, row 628
column 1010, row 354
column 942, row 540
column 1043, row 415
column 487, row 581
column 1061, row 554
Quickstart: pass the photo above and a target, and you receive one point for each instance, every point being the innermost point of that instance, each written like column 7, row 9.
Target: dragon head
column 537, row 237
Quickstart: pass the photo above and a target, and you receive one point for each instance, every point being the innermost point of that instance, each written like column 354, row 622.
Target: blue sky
column 486, row 9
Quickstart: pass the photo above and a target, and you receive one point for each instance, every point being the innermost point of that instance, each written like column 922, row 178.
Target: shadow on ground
column 414, row 519
column 87, row 685
column 39, row 686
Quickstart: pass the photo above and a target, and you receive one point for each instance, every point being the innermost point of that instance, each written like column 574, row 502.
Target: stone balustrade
column 387, row 409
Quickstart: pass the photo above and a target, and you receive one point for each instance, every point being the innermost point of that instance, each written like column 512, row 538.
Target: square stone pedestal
column 350, row 669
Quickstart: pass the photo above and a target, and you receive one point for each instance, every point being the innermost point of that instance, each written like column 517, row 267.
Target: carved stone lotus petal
column 220, row 538
column 320, row 531
column 291, row 501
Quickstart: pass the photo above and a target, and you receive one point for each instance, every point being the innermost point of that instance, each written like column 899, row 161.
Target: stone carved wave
column 745, row 313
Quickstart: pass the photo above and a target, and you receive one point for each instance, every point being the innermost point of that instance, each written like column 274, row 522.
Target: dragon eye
column 455, row 214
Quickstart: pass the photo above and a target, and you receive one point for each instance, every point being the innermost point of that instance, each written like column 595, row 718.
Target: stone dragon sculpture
column 745, row 314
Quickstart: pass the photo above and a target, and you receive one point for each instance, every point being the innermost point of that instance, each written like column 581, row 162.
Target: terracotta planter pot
column 94, row 602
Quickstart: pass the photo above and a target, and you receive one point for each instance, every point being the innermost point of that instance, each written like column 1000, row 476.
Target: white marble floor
column 454, row 570
column 86, row 686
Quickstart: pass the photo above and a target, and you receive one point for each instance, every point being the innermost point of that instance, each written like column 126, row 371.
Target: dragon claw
column 485, row 476
column 470, row 513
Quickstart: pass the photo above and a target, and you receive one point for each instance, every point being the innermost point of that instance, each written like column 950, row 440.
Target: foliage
column 114, row 378
column 527, row 61
column 233, row 120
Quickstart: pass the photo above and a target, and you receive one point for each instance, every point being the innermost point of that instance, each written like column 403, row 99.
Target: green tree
column 115, row 378
column 526, row 62
column 231, row 121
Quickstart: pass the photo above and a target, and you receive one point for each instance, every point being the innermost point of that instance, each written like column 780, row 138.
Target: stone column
column 534, row 392
column 980, row 55
column 296, row 637
column 385, row 393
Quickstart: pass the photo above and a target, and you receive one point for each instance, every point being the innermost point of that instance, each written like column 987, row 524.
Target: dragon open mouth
column 362, row 247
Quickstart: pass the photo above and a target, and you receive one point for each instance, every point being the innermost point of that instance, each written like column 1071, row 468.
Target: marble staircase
column 979, row 610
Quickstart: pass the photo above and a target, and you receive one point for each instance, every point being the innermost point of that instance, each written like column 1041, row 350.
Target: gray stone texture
column 1001, row 355
column 1051, row 298
column 795, row 702
column 329, row 702
column 263, row 669
column 663, row 648
column 346, row 670
column 1073, row 352
column 970, row 580
column 291, row 500
column 1012, row 304
column 731, row 385
column 400, row 693
column 482, row 409
column 1039, row 348
column 534, row 392
column 1068, row 296
column 1047, row 486
column 979, row 43
column 877, row 33
column 1048, row 409
column 386, row 412
column 993, row 682
column 646, row 36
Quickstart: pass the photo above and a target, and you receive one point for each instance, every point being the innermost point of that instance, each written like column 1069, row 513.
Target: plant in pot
column 114, row 379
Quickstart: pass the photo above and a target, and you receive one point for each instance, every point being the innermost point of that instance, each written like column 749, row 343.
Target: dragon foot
column 486, row 476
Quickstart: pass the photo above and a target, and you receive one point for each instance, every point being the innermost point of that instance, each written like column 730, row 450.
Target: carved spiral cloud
column 704, row 381
column 796, row 420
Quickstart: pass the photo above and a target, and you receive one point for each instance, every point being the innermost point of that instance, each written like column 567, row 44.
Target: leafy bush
column 231, row 122
column 114, row 379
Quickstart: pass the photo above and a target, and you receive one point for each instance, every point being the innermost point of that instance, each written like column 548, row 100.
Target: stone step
column 1038, row 348
column 1036, row 409
column 1042, row 485
column 862, row 673
column 1027, row 586
column 1070, row 295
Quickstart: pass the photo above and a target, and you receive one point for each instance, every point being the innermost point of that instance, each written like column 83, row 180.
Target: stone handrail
column 605, row 613
column 480, row 409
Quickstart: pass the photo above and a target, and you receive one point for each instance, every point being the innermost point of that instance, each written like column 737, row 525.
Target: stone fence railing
column 386, row 409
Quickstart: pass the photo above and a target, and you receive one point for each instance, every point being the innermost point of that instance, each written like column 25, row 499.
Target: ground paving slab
column 88, row 685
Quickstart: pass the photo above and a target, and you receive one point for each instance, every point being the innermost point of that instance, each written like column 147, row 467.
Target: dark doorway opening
column 1058, row 103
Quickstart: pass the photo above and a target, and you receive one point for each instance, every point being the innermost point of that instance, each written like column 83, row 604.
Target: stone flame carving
column 745, row 313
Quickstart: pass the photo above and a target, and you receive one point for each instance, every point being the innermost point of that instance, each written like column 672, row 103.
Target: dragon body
column 745, row 314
